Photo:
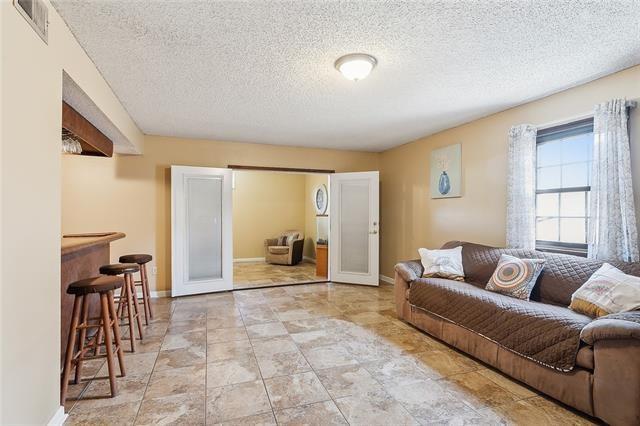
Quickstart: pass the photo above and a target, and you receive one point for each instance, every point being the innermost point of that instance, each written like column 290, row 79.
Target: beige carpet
column 261, row 274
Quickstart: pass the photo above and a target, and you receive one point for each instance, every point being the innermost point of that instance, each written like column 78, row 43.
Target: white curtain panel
column 521, row 187
column 612, row 231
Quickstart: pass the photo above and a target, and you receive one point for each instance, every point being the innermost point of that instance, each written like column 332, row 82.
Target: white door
column 201, row 232
column 354, row 227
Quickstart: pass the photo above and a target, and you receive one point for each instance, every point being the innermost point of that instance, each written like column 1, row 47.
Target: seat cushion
column 94, row 285
column 545, row 333
column 119, row 268
column 140, row 259
column 585, row 357
column 278, row 249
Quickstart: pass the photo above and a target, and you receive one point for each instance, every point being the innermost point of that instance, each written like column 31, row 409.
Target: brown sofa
column 590, row 364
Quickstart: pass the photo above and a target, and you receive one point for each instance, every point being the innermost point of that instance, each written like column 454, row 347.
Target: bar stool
column 80, row 323
column 127, row 297
column 142, row 260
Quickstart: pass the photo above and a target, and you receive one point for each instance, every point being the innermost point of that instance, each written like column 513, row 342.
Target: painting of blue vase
column 444, row 184
column 445, row 172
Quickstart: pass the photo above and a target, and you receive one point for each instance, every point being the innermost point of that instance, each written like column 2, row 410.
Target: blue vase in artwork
column 444, row 184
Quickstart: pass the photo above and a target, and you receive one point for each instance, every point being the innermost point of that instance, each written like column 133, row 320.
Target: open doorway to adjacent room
column 280, row 228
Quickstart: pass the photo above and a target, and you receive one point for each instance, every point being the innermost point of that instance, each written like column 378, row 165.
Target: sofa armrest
column 295, row 251
column 625, row 325
column 409, row 270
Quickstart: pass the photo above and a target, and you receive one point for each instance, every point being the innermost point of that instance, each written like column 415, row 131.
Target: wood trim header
column 279, row 169
column 92, row 140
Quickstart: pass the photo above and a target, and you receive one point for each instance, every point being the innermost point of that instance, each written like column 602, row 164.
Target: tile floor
column 262, row 274
column 319, row 354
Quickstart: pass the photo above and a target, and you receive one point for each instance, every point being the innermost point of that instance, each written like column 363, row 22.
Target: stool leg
column 143, row 271
column 71, row 344
column 134, row 297
column 97, row 341
column 127, row 299
column 116, row 332
column 106, row 324
column 82, row 338
column 145, row 303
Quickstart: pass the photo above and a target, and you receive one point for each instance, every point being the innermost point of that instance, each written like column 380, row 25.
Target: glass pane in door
column 354, row 226
column 204, row 228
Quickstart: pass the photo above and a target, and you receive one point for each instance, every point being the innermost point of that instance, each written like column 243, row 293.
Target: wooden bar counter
column 82, row 256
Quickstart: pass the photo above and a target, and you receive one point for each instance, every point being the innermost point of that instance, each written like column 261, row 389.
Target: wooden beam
column 92, row 140
column 279, row 169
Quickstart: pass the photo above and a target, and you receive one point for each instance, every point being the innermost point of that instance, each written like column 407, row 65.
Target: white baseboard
column 58, row 418
column 156, row 294
column 386, row 279
column 248, row 259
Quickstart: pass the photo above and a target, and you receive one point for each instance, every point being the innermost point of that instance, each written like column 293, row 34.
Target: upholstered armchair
column 284, row 250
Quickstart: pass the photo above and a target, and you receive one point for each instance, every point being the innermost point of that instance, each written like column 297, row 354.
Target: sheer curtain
column 612, row 226
column 521, row 187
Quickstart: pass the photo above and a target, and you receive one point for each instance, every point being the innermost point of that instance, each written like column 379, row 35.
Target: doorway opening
column 280, row 228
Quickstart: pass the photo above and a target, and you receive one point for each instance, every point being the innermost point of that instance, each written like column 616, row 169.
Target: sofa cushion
column 515, row 277
column 278, row 249
column 561, row 277
column 544, row 333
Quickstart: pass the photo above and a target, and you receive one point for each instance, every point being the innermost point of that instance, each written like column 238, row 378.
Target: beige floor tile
column 251, row 317
column 507, row 383
column 148, row 344
column 428, row 401
column 477, row 390
column 177, row 380
column 375, row 409
column 232, row 371
column 274, row 345
column 179, row 327
column 295, row 390
column 230, row 402
column 318, row 414
column 214, row 321
column 346, row 381
column 98, row 393
column 135, row 364
column 322, row 357
column 445, row 363
column 184, row 340
column 397, row 371
column 536, row 411
column 228, row 350
column 316, row 338
column 266, row 330
column 226, row 334
column 265, row 419
column 183, row 357
column 117, row 414
column 180, row 409
column 157, row 329
column 282, row 364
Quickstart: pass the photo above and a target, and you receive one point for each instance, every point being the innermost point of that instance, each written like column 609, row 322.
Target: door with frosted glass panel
column 354, row 227
column 201, row 232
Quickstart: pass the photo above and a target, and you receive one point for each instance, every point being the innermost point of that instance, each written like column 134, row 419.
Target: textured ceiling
column 262, row 71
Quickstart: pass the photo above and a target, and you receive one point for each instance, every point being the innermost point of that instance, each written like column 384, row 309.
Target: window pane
column 549, row 177
column 549, row 153
column 547, row 229
column 547, row 205
column 575, row 175
column 577, row 148
column 572, row 204
column 573, row 230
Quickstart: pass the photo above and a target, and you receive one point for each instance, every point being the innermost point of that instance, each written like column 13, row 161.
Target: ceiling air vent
column 36, row 14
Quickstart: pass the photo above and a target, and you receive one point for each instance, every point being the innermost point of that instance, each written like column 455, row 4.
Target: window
column 563, row 172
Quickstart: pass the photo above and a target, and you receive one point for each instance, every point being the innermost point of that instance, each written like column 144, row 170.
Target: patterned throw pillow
column 515, row 277
column 442, row 263
column 607, row 291
column 282, row 240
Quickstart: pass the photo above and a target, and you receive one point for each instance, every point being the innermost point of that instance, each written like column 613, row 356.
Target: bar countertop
column 75, row 242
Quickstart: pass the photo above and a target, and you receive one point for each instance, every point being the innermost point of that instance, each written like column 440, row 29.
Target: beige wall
column 410, row 219
column 311, row 229
column 134, row 191
column 264, row 205
column 31, row 88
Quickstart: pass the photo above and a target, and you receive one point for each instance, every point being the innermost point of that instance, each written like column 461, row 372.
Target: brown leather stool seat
column 119, row 268
column 140, row 259
column 95, row 285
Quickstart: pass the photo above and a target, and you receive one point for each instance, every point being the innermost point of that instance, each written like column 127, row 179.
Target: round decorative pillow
column 515, row 277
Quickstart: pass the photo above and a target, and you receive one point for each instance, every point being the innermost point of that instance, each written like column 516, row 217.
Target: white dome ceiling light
column 356, row 66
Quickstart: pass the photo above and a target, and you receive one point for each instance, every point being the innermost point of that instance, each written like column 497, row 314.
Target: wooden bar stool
column 80, row 323
column 127, row 297
column 142, row 260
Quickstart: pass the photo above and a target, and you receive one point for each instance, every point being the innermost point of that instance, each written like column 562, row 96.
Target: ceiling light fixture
column 356, row 66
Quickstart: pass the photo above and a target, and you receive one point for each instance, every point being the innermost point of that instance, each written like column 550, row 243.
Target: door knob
column 373, row 232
